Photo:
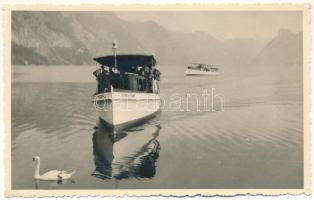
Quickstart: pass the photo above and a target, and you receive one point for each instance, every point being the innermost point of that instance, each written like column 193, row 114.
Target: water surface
column 255, row 141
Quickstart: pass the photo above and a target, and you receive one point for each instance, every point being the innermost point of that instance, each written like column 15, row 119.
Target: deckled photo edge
column 305, row 8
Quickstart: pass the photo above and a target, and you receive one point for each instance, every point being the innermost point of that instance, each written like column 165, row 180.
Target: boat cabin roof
column 127, row 63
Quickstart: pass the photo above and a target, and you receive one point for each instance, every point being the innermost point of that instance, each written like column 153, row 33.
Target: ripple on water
column 248, row 143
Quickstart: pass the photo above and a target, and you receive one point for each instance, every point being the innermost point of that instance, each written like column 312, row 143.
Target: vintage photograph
column 158, row 99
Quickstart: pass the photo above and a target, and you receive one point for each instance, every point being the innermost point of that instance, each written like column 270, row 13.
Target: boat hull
column 122, row 110
column 189, row 72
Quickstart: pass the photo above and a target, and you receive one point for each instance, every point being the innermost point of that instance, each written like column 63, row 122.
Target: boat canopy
column 127, row 63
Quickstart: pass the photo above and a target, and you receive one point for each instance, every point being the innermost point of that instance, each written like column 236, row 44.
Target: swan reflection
column 121, row 155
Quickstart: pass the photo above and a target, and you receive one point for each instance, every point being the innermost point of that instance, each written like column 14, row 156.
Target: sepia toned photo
column 157, row 100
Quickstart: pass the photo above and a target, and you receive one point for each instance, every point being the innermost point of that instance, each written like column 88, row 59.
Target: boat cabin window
column 140, row 85
column 145, row 85
column 134, row 85
column 116, row 83
column 139, row 80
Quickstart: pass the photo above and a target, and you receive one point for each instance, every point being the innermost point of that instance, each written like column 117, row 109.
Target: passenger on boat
column 140, row 70
column 146, row 69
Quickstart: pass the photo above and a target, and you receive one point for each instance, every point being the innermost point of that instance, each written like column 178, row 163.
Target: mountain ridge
column 75, row 38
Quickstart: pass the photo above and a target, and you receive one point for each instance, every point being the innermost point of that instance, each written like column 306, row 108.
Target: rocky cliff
column 282, row 56
column 74, row 38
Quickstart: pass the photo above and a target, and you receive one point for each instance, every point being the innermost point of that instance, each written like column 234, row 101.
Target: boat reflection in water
column 130, row 153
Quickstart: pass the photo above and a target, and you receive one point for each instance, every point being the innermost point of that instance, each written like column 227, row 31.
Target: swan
column 53, row 175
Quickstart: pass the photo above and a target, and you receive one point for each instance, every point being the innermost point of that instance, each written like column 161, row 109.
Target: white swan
column 53, row 175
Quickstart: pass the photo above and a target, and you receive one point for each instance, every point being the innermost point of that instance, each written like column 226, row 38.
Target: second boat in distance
column 198, row 69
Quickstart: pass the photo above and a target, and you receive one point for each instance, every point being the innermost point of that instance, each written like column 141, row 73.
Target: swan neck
column 37, row 168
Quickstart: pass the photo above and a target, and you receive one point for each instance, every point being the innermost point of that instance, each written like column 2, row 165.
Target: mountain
column 74, row 38
column 245, row 49
column 282, row 56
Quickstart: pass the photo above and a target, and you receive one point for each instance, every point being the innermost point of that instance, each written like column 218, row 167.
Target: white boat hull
column 191, row 72
column 126, row 109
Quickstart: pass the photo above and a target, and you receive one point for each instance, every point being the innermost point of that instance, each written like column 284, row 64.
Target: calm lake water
column 254, row 141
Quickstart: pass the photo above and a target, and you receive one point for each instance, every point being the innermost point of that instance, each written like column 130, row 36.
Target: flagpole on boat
column 114, row 48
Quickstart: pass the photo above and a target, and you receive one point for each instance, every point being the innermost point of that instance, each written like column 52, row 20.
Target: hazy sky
column 261, row 25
